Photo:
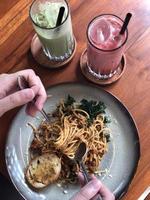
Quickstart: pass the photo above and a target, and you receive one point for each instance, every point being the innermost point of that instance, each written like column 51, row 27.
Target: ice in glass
column 57, row 41
column 105, row 45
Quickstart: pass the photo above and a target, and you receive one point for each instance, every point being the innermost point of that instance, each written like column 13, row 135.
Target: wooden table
column 132, row 89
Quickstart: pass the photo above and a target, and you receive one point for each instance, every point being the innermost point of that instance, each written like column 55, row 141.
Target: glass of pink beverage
column 105, row 45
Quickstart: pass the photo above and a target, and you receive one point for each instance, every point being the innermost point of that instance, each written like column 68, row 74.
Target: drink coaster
column 42, row 59
column 89, row 76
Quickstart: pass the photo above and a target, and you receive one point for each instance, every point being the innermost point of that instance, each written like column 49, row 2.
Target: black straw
column 126, row 22
column 60, row 16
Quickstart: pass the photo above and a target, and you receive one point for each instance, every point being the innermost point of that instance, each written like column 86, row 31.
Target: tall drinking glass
column 57, row 41
column 105, row 45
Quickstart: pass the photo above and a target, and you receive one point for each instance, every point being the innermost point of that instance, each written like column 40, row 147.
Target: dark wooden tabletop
column 133, row 89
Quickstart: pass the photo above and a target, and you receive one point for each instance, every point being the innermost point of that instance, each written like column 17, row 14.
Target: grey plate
column 121, row 160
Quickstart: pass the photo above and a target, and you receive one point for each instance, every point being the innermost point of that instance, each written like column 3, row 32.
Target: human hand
column 90, row 190
column 11, row 96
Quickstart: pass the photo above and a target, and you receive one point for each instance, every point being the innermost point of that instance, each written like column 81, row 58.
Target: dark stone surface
column 7, row 190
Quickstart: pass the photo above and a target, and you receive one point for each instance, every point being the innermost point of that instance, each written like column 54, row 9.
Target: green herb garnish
column 107, row 135
column 107, row 119
column 70, row 100
column 93, row 108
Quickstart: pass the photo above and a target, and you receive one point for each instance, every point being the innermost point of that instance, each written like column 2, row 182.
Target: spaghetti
column 70, row 125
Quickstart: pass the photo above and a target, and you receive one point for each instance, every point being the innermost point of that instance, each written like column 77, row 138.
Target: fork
column 23, row 84
column 80, row 153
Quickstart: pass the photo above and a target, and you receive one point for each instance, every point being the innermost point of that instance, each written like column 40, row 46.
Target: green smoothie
column 57, row 42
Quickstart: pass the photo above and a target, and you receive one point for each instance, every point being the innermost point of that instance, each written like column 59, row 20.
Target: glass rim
column 105, row 50
column 45, row 27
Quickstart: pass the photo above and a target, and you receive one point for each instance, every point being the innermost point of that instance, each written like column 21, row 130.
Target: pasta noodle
column 69, row 127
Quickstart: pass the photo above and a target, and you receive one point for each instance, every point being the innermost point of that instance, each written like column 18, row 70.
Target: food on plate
column 70, row 124
column 43, row 170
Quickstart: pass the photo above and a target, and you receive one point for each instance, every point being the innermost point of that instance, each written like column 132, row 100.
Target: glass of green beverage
column 56, row 37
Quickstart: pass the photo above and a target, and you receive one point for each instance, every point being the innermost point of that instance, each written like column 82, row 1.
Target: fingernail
column 29, row 94
column 78, row 173
column 95, row 184
column 39, row 106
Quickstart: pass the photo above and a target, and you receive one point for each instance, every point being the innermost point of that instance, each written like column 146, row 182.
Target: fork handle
column 87, row 179
column 23, row 84
column 85, row 173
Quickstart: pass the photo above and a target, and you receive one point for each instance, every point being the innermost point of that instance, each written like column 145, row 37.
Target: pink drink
column 105, row 45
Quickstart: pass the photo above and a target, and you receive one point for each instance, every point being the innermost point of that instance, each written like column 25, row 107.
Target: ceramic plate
column 119, row 164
